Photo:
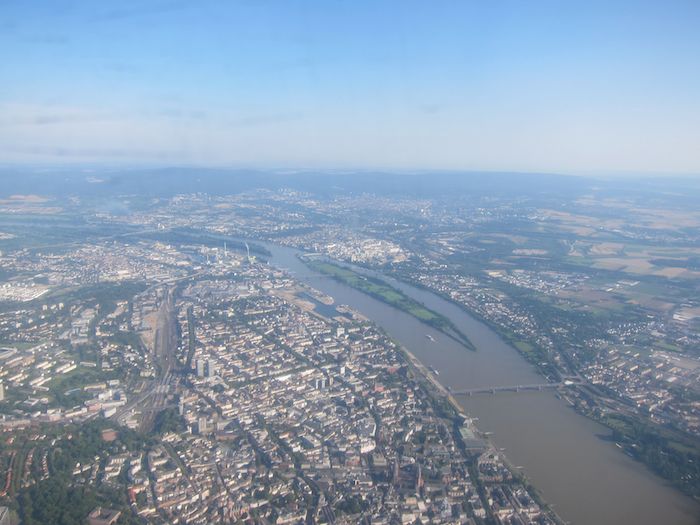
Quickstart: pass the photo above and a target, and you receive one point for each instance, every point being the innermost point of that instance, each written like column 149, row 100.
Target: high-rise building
column 200, row 365
column 210, row 368
column 202, row 425
column 419, row 479
column 2, row 391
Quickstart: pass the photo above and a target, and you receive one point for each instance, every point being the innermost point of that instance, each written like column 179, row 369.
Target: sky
column 552, row 86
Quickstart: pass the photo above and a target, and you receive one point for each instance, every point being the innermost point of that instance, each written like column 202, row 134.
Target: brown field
column 690, row 312
column 629, row 265
column 290, row 295
column 652, row 304
column 515, row 239
column 34, row 199
column 642, row 266
column 665, row 219
column 595, row 298
column 583, row 231
column 655, row 218
column 672, row 272
column 607, row 248
column 580, row 223
column 652, row 218
column 610, row 264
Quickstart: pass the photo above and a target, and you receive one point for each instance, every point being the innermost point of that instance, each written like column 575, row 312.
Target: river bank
column 439, row 391
column 634, row 435
column 586, row 478
column 380, row 290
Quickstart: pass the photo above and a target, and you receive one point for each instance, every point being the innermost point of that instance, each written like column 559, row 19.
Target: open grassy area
column 67, row 388
column 380, row 290
column 390, row 295
column 525, row 348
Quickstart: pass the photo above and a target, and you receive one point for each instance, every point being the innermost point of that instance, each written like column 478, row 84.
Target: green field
column 391, row 296
column 67, row 388
column 524, row 347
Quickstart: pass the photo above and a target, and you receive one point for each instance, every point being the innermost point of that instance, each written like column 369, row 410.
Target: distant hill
column 164, row 182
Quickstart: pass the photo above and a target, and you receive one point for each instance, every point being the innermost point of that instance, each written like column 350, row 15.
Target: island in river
column 386, row 293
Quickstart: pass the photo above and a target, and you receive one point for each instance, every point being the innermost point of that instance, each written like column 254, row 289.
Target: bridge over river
column 568, row 381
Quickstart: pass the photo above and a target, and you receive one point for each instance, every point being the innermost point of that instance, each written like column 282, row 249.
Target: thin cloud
column 48, row 39
column 178, row 113
column 431, row 108
column 138, row 10
column 265, row 120
column 121, row 67
column 92, row 153
column 43, row 116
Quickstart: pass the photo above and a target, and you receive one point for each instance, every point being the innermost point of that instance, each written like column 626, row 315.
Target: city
column 349, row 263
column 215, row 386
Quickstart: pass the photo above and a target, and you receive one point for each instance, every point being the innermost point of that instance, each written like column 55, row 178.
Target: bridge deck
column 514, row 388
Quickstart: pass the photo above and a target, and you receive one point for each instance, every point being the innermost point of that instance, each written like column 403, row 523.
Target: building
column 101, row 516
column 109, row 434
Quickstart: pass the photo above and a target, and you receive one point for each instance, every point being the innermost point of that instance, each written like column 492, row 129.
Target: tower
column 419, row 479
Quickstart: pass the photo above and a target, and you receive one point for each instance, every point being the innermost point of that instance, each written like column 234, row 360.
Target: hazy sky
column 566, row 85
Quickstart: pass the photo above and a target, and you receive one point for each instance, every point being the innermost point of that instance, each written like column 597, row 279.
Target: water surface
column 566, row 456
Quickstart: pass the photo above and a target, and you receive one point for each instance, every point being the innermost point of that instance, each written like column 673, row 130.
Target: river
column 586, row 478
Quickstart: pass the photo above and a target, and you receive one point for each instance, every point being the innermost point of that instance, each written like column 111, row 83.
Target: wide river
column 585, row 477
